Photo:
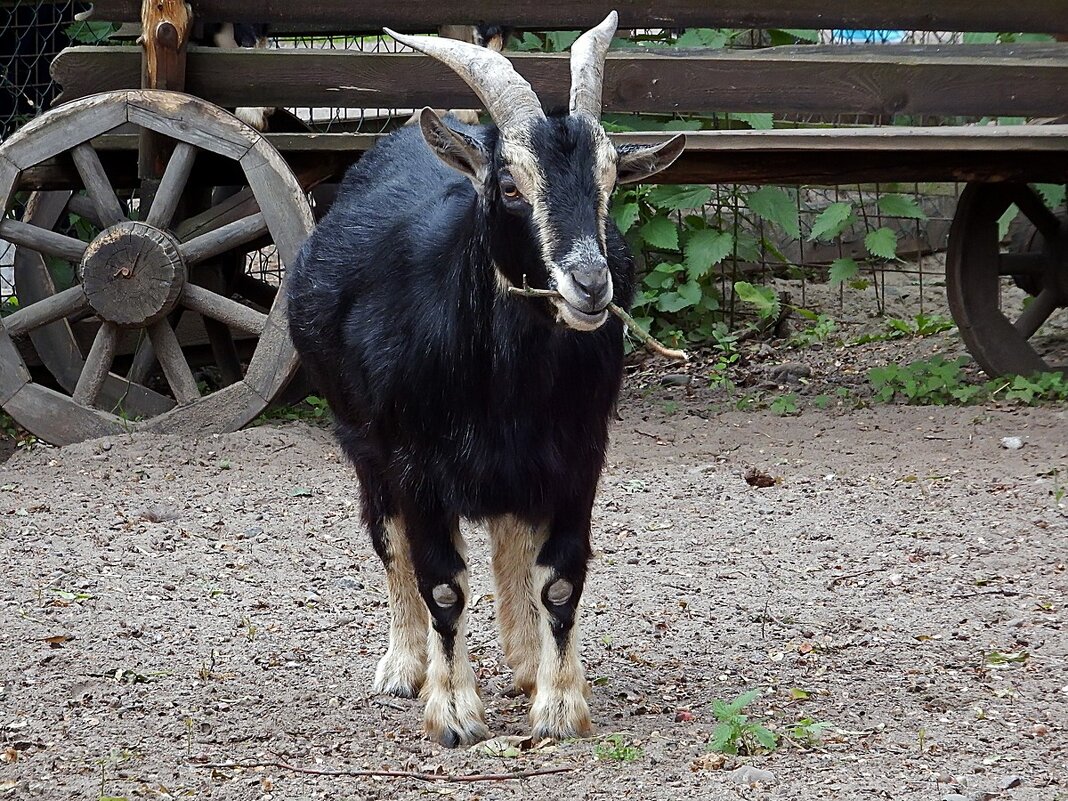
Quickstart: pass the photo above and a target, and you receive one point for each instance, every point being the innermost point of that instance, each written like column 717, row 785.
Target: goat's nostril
column 591, row 283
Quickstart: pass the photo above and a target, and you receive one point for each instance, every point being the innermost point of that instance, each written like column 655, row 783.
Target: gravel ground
column 172, row 604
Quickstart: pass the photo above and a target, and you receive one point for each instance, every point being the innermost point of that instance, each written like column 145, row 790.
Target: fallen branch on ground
column 632, row 326
column 389, row 774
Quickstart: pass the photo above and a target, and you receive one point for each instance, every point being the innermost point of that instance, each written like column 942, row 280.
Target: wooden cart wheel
column 977, row 271
column 133, row 277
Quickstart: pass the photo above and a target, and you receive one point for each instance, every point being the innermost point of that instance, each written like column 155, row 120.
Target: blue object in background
column 863, row 37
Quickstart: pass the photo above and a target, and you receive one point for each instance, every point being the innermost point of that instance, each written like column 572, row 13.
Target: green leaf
column 300, row 492
column 723, row 739
column 672, row 302
column 901, row 206
column 1011, row 213
column 831, row 221
column 625, row 215
column 661, row 232
column 758, row 122
column 882, row 243
column 767, row 305
column 702, row 37
column 682, row 125
column 766, row 738
column 776, row 206
column 690, row 292
column 803, row 34
column 743, row 700
column 684, row 196
column 842, row 270
column 559, row 41
column 720, row 709
column 705, row 249
column 1053, row 194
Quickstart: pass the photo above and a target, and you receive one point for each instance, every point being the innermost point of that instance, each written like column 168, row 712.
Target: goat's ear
column 458, row 150
column 638, row 162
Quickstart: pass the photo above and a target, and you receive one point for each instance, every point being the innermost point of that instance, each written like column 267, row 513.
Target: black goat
column 455, row 399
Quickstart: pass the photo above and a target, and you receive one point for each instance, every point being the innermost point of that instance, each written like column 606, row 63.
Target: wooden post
column 165, row 26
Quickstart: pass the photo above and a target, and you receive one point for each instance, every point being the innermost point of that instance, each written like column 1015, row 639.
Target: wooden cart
column 169, row 187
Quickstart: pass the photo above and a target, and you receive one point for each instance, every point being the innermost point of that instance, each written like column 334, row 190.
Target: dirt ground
column 170, row 605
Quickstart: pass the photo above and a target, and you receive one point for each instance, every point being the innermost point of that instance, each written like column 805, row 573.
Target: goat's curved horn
column 504, row 92
column 587, row 67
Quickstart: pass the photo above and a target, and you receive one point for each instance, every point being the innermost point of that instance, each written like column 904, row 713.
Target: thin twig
column 636, row 330
column 389, row 774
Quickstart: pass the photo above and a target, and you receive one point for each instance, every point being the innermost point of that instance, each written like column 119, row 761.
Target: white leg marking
column 454, row 713
column 559, row 709
column 402, row 670
column 514, row 546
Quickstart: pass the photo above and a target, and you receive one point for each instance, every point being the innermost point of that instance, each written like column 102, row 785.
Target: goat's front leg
column 401, row 671
column 454, row 713
column 559, row 708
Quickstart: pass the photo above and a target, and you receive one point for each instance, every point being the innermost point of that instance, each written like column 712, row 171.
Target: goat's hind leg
column 402, row 670
column 514, row 546
column 454, row 713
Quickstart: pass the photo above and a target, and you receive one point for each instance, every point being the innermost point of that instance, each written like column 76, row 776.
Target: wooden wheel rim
column 283, row 212
column 974, row 272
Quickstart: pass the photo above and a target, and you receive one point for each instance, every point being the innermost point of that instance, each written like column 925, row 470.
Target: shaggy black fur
column 453, row 399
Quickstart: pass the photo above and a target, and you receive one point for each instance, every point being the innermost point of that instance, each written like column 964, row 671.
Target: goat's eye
column 508, row 186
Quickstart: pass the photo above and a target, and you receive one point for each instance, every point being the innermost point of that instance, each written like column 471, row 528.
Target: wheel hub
column 132, row 274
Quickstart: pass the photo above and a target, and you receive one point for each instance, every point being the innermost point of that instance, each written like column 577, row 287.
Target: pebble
column 1012, row 443
column 675, row 380
column 349, row 583
column 747, row 774
column 1008, row 782
column 791, row 372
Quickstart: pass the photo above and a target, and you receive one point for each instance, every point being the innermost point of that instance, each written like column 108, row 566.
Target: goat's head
column 545, row 180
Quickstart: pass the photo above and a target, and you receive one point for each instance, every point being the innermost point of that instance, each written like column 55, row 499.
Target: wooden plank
column 165, row 26
column 275, row 361
column 217, row 307
column 225, row 410
column 950, row 80
column 13, row 372
column 188, row 119
column 55, row 418
column 9, row 174
column 968, row 15
column 281, row 198
column 64, row 127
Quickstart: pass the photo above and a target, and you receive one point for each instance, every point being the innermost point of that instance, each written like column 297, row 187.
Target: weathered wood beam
column 172, row 360
column 56, row 307
column 171, row 186
column 964, row 15
column 108, row 208
column 217, row 307
column 42, row 240
column 960, row 80
column 222, row 239
column 97, row 365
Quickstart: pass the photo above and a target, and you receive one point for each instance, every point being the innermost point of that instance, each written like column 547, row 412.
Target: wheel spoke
column 1021, row 264
column 1035, row 209
column 223, row 239
column 1037, row 312
column 223, row 309
column 225, row 211
column 56, row 307
column 172, row 360
column 42, row 240
column 172, row 185
column 97, row 365
column 97, row 184
column 84, row 207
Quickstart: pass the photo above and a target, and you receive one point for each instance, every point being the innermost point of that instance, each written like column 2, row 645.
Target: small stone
column 349, row 583
column 1012, row 443
column 675, row 380
column 747, row 774
column 1008, row 782
column 790, row 373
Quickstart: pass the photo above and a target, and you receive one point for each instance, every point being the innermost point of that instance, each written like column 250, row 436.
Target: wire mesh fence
column 33, row 33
